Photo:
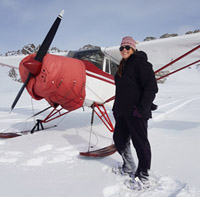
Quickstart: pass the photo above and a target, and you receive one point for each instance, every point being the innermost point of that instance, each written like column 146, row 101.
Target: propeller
column 41, row 53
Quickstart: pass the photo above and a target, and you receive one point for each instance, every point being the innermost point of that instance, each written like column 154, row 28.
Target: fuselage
column 100, row 71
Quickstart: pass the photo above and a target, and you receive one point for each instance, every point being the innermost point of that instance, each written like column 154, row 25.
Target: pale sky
column 97, row 22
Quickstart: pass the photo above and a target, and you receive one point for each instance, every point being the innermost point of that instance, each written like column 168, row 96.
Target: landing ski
column 5, row 135
column 106, row 151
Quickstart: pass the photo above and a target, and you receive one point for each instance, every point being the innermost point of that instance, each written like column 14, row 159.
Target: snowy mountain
column 31, row 48
column 47, row 163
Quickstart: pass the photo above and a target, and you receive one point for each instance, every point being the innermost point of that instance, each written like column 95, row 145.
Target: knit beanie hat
column 128, row 40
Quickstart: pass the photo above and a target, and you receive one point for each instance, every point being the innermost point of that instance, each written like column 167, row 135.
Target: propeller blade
column 41, row 52
column 49, row 38
column 20, row 91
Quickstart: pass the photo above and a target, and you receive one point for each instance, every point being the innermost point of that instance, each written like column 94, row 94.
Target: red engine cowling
column 61, row 81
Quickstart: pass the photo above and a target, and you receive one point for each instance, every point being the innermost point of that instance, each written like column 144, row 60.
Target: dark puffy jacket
column 136, row 88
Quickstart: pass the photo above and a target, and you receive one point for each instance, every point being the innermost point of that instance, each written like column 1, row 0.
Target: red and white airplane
column 85, row 77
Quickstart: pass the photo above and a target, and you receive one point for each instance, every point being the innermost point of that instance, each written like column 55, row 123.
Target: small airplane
column 86, row 77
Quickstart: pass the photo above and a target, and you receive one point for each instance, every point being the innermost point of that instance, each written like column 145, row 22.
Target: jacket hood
column 141, row 54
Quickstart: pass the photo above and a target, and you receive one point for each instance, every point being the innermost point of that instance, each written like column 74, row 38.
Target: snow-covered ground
column 47, row 163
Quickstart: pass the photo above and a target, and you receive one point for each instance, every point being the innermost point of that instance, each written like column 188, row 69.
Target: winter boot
column 120, row 170
column 128, row 162
column 143, row 176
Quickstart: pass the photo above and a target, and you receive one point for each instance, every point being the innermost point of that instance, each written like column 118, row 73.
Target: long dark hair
column 121, row 67
column 121, row 64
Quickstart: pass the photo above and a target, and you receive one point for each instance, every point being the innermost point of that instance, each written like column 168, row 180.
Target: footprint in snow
column 9, row 156
column 43, row 149
column 35, row 161
column 111, row 191
column 63, row 154
column 159, row 186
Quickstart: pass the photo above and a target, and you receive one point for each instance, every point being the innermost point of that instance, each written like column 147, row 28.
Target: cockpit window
column 113, row 68
column 93, row 56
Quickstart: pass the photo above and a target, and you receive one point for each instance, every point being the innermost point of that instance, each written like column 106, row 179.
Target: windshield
column 94, row 56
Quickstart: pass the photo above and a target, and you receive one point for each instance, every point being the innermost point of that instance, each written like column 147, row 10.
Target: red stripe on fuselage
column 100, row 78
column 102, row 75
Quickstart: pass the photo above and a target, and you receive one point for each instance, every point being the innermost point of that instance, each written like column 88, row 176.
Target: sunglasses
column 126, row 47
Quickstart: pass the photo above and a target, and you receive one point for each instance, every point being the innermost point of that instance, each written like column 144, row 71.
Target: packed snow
column 47, row 163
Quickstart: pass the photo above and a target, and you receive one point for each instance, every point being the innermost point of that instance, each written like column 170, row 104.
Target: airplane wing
column 11, row 61
column 162, row 51
column 9, row 66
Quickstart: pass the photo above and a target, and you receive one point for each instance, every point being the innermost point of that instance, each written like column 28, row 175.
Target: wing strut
column 177, row 59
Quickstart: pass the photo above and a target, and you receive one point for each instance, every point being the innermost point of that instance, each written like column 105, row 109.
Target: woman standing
column 136, row 88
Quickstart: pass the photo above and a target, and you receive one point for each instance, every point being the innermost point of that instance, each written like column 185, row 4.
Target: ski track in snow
column 173, row 106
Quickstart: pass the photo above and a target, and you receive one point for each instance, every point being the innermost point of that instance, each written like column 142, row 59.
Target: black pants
column 136, row 130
